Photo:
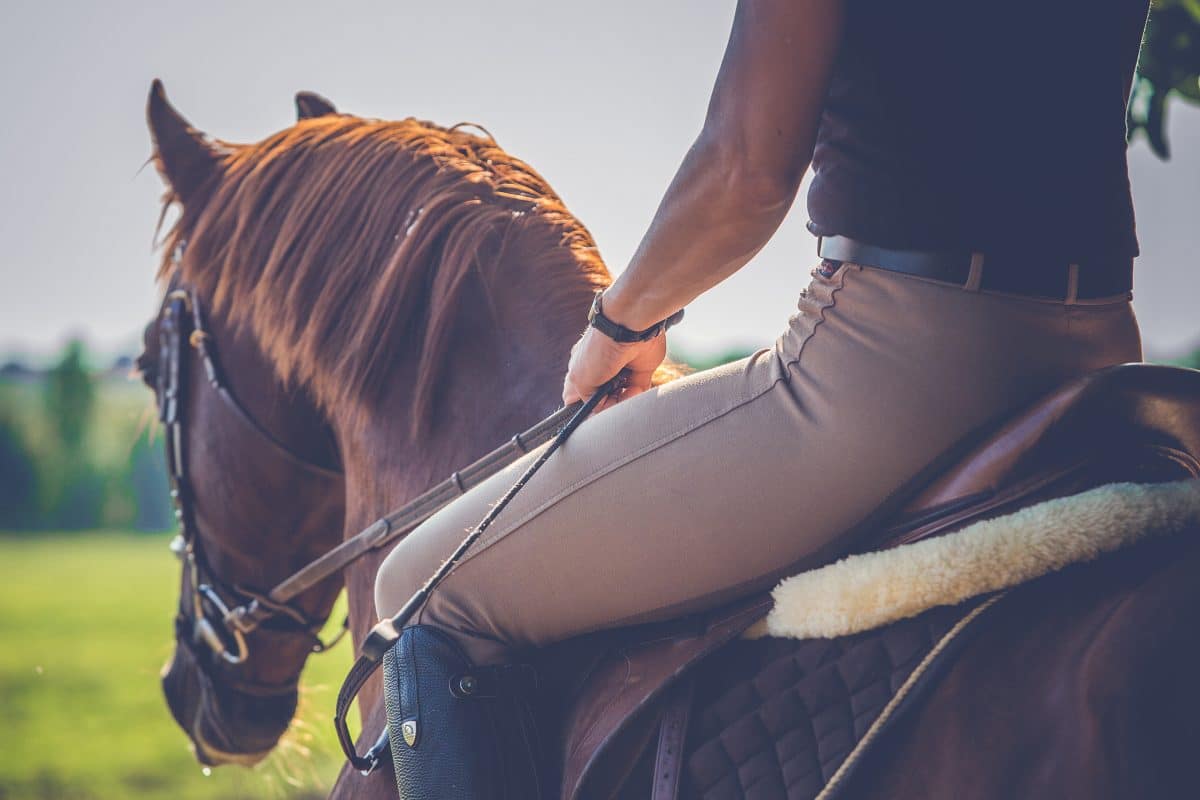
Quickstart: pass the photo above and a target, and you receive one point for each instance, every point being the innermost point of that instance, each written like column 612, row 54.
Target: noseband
column 222, row 614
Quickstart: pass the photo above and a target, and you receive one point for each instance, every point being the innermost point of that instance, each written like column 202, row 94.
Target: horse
column 469, row 241
column 390, row 300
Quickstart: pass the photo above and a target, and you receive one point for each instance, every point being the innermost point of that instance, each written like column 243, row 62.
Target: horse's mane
column 343, row 244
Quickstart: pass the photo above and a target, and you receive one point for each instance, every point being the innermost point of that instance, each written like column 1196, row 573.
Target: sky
column 602, row 98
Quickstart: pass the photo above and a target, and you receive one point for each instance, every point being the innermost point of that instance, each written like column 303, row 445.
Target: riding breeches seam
column 499, row 532
column 722, row 482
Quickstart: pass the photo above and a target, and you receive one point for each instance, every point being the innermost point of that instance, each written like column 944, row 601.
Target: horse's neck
column 505, row 373
column 389, row 466
column 495, row 385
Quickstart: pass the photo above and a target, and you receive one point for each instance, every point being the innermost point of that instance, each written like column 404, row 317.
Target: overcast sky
column 602, row 98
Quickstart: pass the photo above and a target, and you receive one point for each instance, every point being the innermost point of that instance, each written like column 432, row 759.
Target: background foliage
column 77, row 449
column 1168, row 66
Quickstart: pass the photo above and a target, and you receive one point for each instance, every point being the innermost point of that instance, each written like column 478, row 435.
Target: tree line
column 78, row 449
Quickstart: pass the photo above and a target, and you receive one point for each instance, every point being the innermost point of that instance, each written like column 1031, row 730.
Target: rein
column 397, row 523
column 223, row 615
column 386, row 633
column 223, row 626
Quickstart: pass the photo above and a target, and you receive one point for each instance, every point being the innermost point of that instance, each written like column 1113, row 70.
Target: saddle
column 636, row 704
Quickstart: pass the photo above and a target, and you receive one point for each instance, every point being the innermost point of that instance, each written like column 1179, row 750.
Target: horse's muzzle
column 225, row 726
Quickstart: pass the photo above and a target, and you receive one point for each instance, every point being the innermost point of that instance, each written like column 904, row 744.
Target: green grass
column 85, row 625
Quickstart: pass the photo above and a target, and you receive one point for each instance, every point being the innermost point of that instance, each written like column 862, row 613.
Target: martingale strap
column 385, row 634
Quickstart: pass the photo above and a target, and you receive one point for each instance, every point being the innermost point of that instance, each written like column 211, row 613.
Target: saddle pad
column 868, row 590
column 789, row 732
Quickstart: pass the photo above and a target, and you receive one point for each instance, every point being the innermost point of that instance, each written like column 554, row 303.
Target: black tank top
column 980, row 125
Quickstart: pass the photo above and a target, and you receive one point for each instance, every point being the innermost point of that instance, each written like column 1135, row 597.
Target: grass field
column 85, row 625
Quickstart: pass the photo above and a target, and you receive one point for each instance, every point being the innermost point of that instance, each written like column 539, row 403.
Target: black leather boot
column 457, row 731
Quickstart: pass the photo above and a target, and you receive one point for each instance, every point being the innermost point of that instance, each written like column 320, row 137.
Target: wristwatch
column 618, row 332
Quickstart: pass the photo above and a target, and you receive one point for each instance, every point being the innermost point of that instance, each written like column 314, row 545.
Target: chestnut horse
column 390, row 300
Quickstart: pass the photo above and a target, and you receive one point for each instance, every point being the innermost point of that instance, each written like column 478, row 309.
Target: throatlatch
column 386, row 636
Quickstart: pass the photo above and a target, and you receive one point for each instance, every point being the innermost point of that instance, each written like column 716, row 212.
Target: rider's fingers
column 570, row 392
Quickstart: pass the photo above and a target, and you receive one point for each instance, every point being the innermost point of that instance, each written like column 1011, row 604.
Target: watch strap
column 619, row 333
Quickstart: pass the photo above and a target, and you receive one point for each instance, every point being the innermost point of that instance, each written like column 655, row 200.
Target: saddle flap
column 629, row 679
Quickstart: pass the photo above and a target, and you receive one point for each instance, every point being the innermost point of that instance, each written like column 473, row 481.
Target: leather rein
column 224, row 614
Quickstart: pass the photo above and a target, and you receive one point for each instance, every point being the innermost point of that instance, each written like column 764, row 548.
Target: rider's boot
column 457, row 731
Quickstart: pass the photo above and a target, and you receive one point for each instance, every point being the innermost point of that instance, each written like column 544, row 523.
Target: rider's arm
column 735, row 184
column 739, row 178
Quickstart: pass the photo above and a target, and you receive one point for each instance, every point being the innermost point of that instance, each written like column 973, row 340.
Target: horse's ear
column 185, row 157
column 311, row 104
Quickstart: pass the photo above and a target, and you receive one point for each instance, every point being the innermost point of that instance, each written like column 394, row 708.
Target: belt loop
column 1072, row 283
column 975, row 276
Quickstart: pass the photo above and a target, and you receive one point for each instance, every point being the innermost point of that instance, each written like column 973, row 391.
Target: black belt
column 1026, row 274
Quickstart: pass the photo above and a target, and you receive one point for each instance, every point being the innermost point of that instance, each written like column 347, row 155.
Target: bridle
column 225, row 614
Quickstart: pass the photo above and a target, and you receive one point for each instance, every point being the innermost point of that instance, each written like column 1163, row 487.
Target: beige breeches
column 721, row 483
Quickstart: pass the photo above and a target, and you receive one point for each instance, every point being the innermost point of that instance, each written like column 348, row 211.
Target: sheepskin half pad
column 860, row 644
column 863, row 592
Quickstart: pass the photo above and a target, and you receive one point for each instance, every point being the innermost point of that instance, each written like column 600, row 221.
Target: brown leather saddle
column 630, row 713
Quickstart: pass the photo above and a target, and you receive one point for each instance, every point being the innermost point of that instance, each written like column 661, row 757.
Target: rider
column 971, row 194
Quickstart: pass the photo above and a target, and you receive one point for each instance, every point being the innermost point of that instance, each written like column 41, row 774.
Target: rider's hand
column 595, row 358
